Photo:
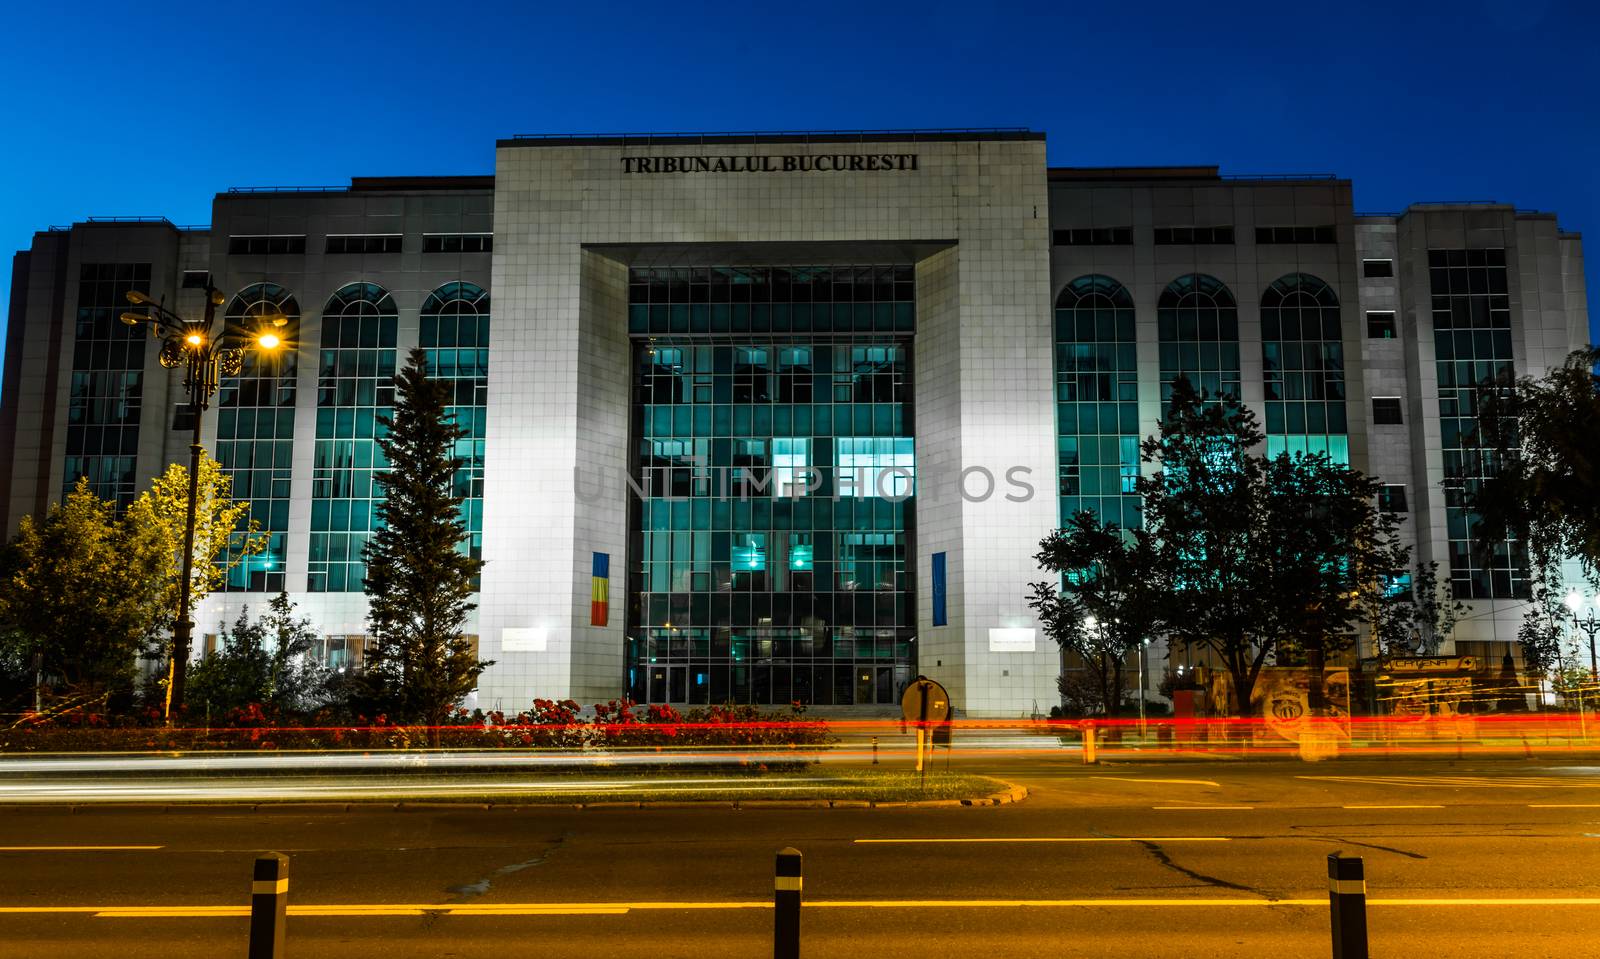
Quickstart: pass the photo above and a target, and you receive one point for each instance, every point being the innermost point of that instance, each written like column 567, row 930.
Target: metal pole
column 1141, row 692
column 269, row 905
column 785, row 904
column 1590, row 626
column 183, row 629
column 201, row 362
column 1347, row 906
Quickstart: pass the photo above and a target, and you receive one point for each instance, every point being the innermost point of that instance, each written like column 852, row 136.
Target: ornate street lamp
column 206, row 357
column 1589, row 624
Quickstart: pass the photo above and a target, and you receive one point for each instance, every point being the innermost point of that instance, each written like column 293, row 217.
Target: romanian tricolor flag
column 600, row 591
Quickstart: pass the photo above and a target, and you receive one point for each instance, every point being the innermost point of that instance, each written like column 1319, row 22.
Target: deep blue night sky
column 114, row 109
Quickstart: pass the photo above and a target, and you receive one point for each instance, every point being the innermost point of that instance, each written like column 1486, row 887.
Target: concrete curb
column 1014, row 794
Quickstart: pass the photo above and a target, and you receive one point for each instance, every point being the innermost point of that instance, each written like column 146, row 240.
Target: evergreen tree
column 420, row 579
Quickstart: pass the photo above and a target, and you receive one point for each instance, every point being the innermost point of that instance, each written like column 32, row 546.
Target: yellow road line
column 1379, row 806
column 74, row 848
column 1202, row 807
column 1563, row 805
column 378, row 910
column 1178, row 782
column 1057, row 839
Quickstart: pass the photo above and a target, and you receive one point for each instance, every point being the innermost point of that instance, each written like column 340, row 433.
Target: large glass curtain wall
column 1097, row 393
column 1199, row 325
column 1302, row 355
column 103, row 411
column 455, row 334
column 355, row 387
column 255, row 434
column 1472, row 343
column 770, row 558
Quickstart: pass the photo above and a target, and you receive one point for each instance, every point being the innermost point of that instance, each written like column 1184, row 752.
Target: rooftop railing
column 908, row 133
column 288, row 189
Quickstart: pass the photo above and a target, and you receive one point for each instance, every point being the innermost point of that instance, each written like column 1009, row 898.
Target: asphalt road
column 1179, row 859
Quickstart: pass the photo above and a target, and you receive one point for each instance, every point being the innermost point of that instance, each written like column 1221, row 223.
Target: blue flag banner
column 938, row 589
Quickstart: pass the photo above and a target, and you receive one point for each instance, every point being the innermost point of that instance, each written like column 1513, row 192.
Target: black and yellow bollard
column 269, row 904
column 786, row 905
column 1347, row 906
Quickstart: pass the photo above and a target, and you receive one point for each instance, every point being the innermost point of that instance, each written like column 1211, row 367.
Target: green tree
column 1323, row 557
column 83, row 593
column 1415, row 617
column 1261, row 557
column 264, row 662
column 1108, row 601
column 223, row 534
column 1541, row 437
column 236, row 674
column 420, row 579
column 1544, row 626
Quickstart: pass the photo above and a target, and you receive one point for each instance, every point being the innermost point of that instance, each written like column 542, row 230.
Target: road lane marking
column 1487, row 782
column 1057, row 839
column 1201, row 807
column 1380, row 806
column 1177, row 782
column 76, row 848
column 482, row 910
column 1563, row 805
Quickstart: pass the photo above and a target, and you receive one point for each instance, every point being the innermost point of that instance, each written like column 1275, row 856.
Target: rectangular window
column 182, row 418
column 791, row 462
column 1295, row 234
column 881, row 466
column 1392, row 498
column 458, row 242
column 1377, row 268
column 1472, row 335
column 749, row 382
column 1386, row 411
column 196, row 279
column 282, row 243
column 363, row 243
column 106, row 386
column 1195, row 235
column 1380, row 325
column 1095, row 236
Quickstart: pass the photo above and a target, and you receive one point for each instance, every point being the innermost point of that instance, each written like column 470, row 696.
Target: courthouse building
column 778, row 417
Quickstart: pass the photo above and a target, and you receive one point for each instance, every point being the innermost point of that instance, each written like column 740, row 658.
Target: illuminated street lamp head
column 268, row 341
column 194, row 339
column 1574, row 601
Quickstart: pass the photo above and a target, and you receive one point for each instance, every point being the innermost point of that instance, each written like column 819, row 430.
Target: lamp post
column 206, row 357
column 1144, row 644
column 1589, row 624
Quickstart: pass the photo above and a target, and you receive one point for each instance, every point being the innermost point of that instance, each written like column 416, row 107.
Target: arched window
column 455, row 334
column 1199, row 326
column 255, row 431
column 1302, row 356
column 355, row 388
column 1097, row 400
column 358, row 299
